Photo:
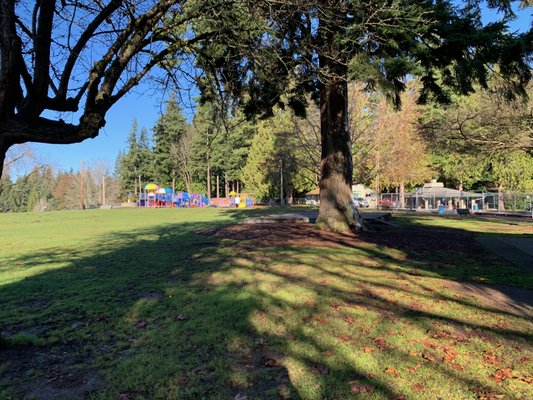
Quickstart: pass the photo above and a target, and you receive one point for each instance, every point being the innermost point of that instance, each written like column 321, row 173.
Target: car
column 360, row 202
column 388, row 203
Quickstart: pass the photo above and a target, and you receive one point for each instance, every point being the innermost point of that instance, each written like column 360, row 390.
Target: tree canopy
column 79, row 57
column 288, row 49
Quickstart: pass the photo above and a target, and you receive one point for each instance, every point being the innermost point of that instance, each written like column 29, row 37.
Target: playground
column 154, row 196
column 154, row 304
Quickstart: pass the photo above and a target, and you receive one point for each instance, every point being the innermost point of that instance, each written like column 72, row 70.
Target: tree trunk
column 208, row 181
column 336, row 166
column 226, row 186
column 208, row 166
column 501, row 203
column 402, row 195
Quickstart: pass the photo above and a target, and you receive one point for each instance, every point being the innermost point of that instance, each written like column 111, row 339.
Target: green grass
column 143, row 304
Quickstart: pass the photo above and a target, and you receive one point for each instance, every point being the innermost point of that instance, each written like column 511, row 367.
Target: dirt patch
column 273, row 235
column 76, row 384
column 302, row 234
column 47, row 372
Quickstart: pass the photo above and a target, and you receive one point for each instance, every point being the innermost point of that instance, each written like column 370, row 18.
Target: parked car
column 360, row 202
column 388, row 203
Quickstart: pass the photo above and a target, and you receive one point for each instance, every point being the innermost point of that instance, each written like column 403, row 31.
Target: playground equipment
column 234, row 200
column 155, row 197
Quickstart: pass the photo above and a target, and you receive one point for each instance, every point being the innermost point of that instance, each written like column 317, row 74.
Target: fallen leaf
column 141, row 325
column 412, row 370
column 450, row 356
column 381, row 343
column 490, row 358
column 327, row 353
column 336, row 306
column 349, row 320
column 361, row 388
column 320, row 320
column 392, row 371
column 345, row 337
column 368, row 349
column 427, row 356
column 429, row 344
column 413, row 353
column 458, row 367
column 502, row 374
column 417, row 387
column 440, row 334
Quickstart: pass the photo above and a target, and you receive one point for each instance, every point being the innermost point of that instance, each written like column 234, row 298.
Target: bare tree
column 80, row 56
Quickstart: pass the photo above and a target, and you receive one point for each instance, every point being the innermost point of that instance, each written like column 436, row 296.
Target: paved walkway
column 518, row 251
column 516, row 301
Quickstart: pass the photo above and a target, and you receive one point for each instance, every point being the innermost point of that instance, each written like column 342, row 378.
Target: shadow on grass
column 172, row 312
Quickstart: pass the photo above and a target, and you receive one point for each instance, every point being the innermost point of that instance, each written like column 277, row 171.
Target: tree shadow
column 177, row 311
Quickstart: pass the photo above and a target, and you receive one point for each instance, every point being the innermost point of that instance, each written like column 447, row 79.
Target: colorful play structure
column 155, row 197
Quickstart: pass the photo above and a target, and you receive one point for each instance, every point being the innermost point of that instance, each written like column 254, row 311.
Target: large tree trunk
column 336, row 166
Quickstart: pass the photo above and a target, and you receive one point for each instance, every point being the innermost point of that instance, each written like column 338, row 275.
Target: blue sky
column 145, row 105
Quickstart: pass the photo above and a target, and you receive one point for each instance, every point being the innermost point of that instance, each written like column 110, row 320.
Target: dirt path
column 516, row 301
column 518, row 251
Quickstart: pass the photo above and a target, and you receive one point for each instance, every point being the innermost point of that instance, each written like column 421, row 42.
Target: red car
column 388, row 203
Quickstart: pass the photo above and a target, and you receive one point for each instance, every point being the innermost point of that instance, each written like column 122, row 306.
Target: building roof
column 437, row 189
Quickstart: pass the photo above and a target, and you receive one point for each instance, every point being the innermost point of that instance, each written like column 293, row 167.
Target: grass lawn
column 179, row 304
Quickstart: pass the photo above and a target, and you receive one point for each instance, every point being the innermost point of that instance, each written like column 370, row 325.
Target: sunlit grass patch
column 141, row 303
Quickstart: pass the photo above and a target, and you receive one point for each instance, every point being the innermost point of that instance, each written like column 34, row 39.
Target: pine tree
column 168, row 131
column 319, row 46
column 136, row 162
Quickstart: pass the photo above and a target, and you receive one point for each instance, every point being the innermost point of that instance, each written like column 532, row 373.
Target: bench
column 463, row 211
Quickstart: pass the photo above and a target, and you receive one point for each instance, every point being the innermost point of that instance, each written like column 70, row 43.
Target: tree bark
column 501, row 202
column 402, row 195
column 336, row 166
column 226, row 186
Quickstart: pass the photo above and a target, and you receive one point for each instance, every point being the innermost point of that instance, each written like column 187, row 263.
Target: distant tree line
column 481, row 141
column 43, row 189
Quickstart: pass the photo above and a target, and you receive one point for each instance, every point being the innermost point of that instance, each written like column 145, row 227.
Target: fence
column 506, row 203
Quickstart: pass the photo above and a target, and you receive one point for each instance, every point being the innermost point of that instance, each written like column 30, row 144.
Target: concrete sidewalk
column 518, row 251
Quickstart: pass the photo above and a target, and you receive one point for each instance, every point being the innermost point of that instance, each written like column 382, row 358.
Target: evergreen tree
column 276, row 150
column 136, row 161
column 168, row 131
